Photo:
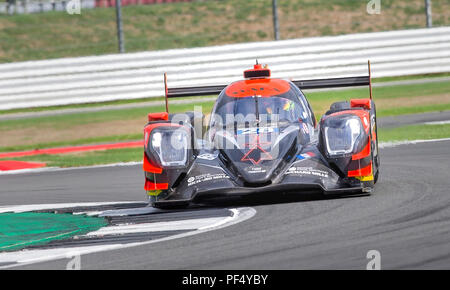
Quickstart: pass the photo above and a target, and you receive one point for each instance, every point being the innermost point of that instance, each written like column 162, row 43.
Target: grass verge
column 413, row 132
column 87, row 158
column 127, row 124
column 161, row 99
column 200, row 23
column 20, row 230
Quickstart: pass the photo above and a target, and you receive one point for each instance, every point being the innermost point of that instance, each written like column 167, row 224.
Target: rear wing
column 302, row 84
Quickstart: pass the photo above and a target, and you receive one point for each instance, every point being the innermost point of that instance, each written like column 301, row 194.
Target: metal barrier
column 40, row 6
column 140, row 75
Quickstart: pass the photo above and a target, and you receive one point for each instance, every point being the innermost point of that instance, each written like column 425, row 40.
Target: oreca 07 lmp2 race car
column 262, row 137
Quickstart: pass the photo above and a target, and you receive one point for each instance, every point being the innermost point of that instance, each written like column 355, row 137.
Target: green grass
column 70, row 120
column 414, row 132
column 413, row 110
column 161, row 99
column 20, row 230
column 389, row 92
column 88, row 158
column 79, row 106
column 320, row 101
column 79, row 142
column 199, row 23
column 410, row 77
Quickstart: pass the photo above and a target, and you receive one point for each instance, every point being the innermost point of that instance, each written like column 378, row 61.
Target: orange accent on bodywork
column 257, row 87
column 149, row 167
column 150, row 127
column 361, row 103
column 155, row 186
column 364, row 153
column 163, row 116
column 366, row 171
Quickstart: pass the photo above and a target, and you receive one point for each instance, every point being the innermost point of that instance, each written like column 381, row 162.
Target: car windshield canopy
column 288, row 107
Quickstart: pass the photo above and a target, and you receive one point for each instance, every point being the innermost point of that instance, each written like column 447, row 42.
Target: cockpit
column 263, row 102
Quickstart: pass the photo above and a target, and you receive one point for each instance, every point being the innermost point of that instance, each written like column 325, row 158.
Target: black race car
column 262, row 137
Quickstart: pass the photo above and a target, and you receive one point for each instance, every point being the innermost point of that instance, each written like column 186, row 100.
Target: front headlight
column 341, row 135
column 171, row 146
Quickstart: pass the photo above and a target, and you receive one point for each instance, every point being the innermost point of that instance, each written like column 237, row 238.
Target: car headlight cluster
column 171, row 146
column 341, row 134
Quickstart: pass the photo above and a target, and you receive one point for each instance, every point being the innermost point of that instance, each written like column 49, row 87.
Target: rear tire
column 376, row 158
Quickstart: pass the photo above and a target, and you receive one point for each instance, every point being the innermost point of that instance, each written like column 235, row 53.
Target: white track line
column 221, row 222
column 27, row 257
column 179, row 225
column 438, row 122
column 35, row 207
column 408, row 142
column 35, row 256
column 35, row 170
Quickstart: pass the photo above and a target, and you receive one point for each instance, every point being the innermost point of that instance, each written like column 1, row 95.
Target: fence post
column 429, row 14
column 276, row 26
column 10, row 7
column 25, row 6
column 119, row 26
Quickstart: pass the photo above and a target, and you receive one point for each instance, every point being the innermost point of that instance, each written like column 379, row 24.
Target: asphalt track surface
column 407, row 220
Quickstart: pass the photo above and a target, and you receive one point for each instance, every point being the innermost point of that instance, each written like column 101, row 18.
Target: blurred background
column 78, row 79
column 65, row 80
column 31, row 29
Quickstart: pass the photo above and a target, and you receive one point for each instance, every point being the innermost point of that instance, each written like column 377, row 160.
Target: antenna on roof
column 257, row 61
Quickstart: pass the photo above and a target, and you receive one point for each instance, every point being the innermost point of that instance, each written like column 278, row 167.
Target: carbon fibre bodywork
column 211, row 178
column 289, row 153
